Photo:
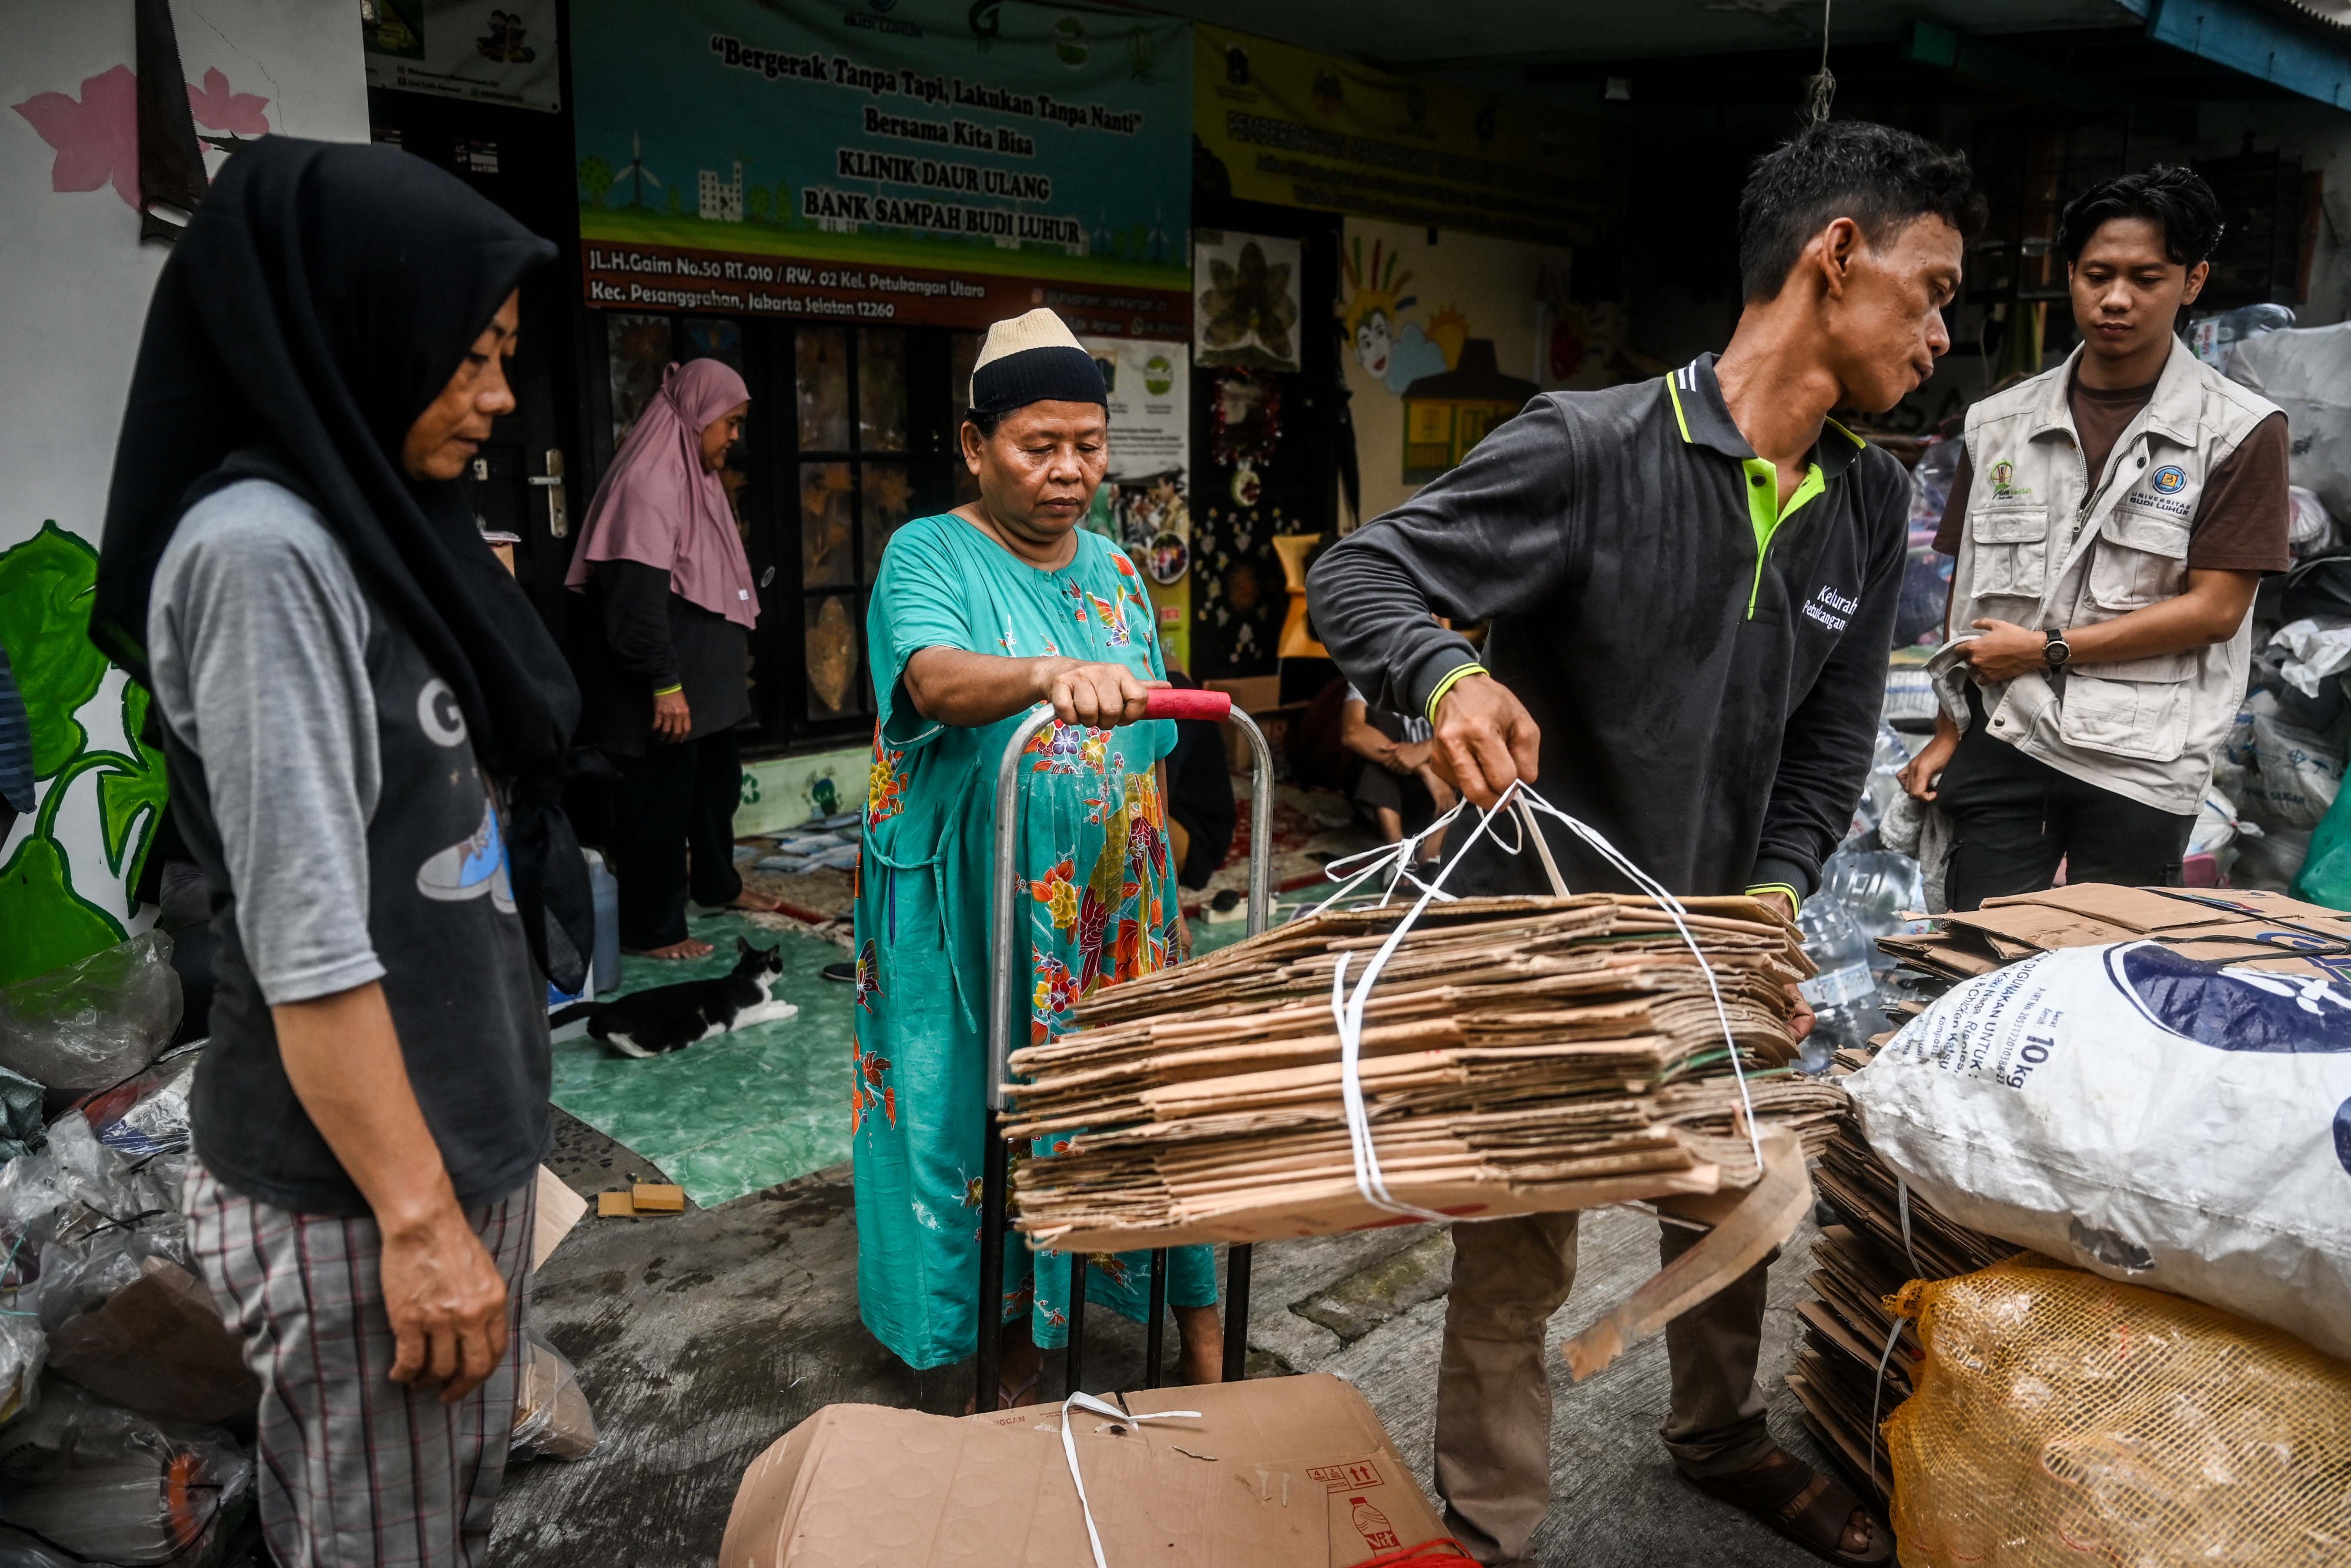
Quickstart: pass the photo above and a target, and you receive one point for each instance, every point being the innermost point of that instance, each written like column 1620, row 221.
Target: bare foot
column 1203, row 1358
column 757, row 902
column 689, row 949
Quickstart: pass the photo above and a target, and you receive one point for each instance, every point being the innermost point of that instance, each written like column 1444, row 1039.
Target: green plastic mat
column 739, row 1112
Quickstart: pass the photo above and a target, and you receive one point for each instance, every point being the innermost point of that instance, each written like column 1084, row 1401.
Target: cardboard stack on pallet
column 1518, row 1055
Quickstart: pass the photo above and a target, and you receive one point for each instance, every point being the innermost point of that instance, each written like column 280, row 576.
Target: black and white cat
column 671, row 1018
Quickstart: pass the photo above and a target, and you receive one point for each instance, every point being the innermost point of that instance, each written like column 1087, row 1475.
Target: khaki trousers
column 1493, row 1389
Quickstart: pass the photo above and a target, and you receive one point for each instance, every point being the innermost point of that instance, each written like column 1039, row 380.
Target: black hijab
column 319, row 300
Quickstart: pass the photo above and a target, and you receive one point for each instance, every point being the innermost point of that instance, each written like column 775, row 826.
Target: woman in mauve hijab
column 667, row 670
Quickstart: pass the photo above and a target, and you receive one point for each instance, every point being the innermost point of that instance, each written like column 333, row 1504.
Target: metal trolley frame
column 1009, row 954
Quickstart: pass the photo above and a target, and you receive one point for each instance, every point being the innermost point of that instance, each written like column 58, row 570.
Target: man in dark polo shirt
column 2111, row 519
column 1692, row 582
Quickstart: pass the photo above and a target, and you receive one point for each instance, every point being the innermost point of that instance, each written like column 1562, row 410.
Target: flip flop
column 1011, row 1397
column 1811, row 1508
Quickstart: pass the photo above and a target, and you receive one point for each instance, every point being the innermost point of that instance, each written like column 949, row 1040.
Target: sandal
column 1809, row 1507
column 1009, row 1397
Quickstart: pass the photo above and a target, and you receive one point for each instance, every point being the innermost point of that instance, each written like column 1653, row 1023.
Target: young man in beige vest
column 2112, row 518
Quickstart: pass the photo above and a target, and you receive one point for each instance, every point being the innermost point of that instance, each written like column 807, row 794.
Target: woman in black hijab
column 365, row 724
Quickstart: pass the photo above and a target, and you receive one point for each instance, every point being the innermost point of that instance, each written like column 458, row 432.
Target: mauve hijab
column 659, row 507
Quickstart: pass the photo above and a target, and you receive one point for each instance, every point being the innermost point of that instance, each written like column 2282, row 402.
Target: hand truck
column 1007, row 988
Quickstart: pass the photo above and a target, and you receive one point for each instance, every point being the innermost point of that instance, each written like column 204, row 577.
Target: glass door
column 855, row 488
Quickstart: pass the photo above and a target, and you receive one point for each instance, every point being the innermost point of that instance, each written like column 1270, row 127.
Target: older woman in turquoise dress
column 977, row 616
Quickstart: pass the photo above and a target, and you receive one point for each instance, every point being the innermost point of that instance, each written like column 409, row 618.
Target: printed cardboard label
column 1354, row 1476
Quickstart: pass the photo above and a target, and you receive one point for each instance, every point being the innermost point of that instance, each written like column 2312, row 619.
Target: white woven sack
column 2157, row 1119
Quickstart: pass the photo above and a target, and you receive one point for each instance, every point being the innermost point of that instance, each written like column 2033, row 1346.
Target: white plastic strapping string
column 1347, row 1006
column 1070, row 1451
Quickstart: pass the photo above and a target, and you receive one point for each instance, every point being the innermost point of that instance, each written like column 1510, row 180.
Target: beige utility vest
column 2048, row 545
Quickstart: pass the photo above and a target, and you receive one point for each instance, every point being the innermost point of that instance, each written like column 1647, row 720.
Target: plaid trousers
column 356, row 1470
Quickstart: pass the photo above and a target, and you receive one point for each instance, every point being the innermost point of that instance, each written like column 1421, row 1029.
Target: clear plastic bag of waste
column 1843, row 995
column 552, row 1414
column 108, row 1485
column 1877, row 888
column 89, row 1025
column 146, row 1115
column 24, row 1349
column 20, row 1115
column 2215, row 338
column 1884, row 785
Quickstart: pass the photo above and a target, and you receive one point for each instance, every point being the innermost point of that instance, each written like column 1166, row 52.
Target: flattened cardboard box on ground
column 1287, row 1472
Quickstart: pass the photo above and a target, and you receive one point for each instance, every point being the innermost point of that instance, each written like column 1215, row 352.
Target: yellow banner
column 1307, row 130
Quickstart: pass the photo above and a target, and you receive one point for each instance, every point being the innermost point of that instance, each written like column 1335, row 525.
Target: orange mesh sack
column 2062, row 1418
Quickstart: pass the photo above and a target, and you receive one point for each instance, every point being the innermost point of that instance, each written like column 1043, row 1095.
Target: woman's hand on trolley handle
column 967, row 689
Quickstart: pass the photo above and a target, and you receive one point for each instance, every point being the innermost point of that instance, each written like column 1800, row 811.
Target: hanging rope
column 1821, row 90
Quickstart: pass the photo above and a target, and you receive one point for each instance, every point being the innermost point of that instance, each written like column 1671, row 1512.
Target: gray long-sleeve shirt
column 256, row 637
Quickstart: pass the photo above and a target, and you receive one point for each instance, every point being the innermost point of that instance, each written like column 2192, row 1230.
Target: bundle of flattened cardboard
column 1281, row 1472
column 1843, row 1374
column 1518, row 1056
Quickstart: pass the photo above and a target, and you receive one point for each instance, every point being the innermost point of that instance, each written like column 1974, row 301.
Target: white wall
column 75, row 280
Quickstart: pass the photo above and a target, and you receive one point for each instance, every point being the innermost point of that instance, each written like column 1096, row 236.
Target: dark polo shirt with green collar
column 1707, row 666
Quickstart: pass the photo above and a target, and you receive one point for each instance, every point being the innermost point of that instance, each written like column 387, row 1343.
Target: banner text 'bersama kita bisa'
column 926, row 161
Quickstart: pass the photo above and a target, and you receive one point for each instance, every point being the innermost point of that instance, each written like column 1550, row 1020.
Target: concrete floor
column 703, row 1338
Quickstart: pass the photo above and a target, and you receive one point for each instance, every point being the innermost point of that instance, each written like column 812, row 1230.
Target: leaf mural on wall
column 45, row 587
column 45, row 924
column 130, row 786
column 45, row 920
column 218, row 107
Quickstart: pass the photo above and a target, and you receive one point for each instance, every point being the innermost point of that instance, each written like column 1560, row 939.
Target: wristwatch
column 2058, row 651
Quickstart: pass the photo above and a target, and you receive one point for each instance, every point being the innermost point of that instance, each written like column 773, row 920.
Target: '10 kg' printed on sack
column 2164, row 1120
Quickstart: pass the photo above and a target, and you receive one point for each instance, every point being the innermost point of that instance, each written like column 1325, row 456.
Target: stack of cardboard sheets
column 2232, row 925
column 1518, row 1055
column 1857, row 1265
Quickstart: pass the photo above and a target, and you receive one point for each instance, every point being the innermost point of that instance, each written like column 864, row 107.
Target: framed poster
column 1246, row 300
column 502, row 52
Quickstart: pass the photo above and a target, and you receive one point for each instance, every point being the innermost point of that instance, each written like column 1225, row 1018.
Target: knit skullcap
column 1033, row 358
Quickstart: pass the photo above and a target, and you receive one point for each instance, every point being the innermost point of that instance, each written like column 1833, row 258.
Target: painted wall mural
column 1442, row 329
column 45, row 587
column 69, row 324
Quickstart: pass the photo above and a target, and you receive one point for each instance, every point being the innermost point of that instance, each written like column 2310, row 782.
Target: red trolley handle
column 1176, row 702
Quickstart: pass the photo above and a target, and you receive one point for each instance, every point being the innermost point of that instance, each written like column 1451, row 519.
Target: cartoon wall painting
column 1447, row 413
column 1393, row 352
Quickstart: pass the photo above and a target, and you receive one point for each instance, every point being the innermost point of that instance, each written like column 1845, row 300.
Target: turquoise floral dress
column 1098, row 897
